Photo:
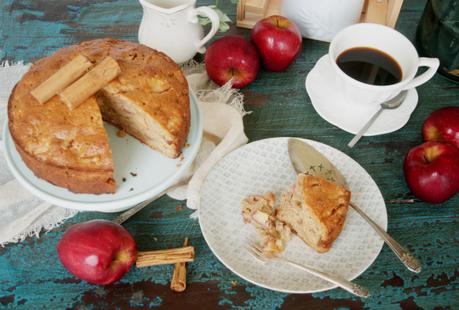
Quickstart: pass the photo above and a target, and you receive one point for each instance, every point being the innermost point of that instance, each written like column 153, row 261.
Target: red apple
column 98, row 251
column 232, row 57
column 442, row 125
column 432, row 171
column 278, row 40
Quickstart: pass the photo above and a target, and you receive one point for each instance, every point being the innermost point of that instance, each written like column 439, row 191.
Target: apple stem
column 425, row 158
column 233, row 72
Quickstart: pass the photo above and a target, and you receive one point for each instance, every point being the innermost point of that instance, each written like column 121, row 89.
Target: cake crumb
column 121, row 133
column 133, row 174
column 155, row 239
column 234, row 283
column 259, row 210
column 124, row 179
column 187, row 145
column 178, row 208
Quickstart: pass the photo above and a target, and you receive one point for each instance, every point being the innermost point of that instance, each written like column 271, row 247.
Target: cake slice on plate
column 315, row 210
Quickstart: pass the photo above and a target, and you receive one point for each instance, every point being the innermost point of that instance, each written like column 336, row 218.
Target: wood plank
column 383, row 12
column 257, row 7
column 393, row 12
column 274, row 8
column 376, row 11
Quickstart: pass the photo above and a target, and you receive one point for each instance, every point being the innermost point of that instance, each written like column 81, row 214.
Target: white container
column 321, row 20
column 171, row 26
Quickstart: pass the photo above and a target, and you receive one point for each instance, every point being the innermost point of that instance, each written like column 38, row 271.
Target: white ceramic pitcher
column 171, row 26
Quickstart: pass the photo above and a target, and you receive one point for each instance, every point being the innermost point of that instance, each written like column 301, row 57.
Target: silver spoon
column 389, row 104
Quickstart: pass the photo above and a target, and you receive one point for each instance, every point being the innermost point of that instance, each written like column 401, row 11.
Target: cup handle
column 215, row 20
column 432, row 63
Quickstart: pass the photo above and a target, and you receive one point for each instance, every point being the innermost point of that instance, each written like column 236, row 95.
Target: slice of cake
column 315, row 210
column 259, row 210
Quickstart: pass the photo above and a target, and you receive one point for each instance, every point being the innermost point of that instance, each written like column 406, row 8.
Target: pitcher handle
column 215, row 20
column 432, row 63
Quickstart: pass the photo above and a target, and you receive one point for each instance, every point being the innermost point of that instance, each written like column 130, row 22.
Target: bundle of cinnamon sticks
column 77, row 81
column 177, row 256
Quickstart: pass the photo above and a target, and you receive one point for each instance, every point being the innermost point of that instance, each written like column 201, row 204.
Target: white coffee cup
column 389, row 41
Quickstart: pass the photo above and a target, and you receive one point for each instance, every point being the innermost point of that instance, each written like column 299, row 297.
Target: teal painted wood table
column 31, row 276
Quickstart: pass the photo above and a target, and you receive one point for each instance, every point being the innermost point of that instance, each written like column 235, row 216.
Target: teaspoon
column 389, row 104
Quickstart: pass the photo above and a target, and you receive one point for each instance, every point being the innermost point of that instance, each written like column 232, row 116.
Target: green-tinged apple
column 432, row 171
column 442, row 125
column 232, row 57
column 98, row 251
column 278, row 41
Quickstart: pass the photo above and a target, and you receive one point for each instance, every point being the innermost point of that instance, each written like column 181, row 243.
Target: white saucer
column 140, row 172
column 331, row 105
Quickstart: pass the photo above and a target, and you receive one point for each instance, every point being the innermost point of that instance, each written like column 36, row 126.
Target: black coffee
column 369, row 65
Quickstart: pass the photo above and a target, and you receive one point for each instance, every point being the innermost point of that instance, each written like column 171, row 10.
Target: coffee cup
column 389, row 42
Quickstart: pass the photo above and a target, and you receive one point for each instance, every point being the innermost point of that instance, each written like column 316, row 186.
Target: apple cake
column 315, row 209
column 69, row 148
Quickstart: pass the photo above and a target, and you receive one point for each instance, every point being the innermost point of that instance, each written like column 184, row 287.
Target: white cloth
column 223, row 131
column 24, row 215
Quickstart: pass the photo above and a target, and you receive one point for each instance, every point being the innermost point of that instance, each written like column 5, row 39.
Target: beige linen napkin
column 223, row 131
column 22, row 214
column 25, row 215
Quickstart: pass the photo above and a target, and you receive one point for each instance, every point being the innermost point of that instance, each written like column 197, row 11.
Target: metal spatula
column 306, row 159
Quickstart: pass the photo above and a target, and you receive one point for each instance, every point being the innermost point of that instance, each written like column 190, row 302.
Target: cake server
column 305, row 159
column 123, row 217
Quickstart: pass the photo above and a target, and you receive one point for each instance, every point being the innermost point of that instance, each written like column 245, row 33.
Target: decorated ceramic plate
column 263, row 166
column 140, row 172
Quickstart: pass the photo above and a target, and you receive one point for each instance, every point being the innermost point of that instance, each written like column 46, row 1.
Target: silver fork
column 256, row 251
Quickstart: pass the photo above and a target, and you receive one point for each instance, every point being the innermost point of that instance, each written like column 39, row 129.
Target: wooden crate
column 374, row 11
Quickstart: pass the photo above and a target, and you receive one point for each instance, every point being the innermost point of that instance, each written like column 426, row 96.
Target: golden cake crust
column 315, row 210
column 329, row 202
column 69, row 148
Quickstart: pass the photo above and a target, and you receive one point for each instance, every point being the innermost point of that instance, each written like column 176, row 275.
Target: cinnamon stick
column 178, row 282
column 90, row 83
column 61, row 79
column 162, row 257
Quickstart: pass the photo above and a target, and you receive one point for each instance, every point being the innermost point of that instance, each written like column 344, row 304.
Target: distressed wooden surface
column 32, row 277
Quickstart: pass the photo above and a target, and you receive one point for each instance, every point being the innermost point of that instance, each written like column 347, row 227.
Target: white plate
column 154, row 172
column 265, row 166
column 351, row 117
